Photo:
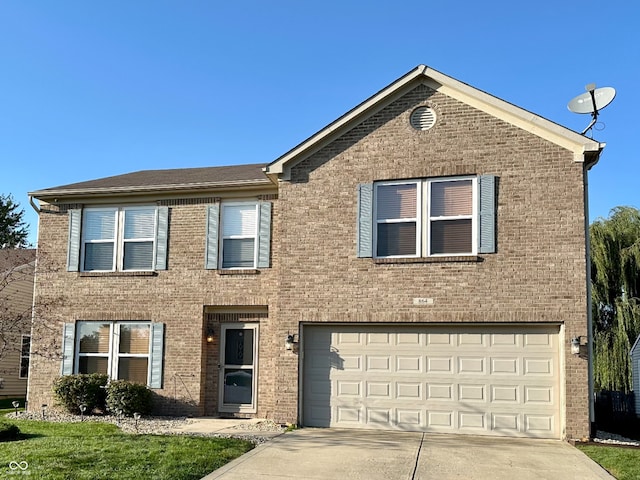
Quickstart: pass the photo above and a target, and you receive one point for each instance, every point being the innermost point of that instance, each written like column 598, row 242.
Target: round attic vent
column 423, row 118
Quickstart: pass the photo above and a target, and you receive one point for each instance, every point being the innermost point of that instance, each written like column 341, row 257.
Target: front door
column 238, row 361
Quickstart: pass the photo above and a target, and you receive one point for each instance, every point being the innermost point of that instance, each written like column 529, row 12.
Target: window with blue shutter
column 238, row 235
column 448, row 216
column 118, row 239
column 127, row 350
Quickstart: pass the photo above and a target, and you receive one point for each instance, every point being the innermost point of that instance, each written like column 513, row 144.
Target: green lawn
column 94, row 450
column 622, row 463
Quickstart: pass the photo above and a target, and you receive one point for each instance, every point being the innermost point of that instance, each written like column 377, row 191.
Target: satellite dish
column 594, row 100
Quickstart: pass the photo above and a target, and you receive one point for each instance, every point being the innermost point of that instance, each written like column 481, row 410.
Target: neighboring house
column 635, row 371
column 16, row 297
column 418, row 264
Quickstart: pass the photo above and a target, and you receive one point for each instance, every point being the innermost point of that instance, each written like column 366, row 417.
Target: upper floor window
column 427, row 217
column 108, row 239
column 238, row 235
column 424, row 218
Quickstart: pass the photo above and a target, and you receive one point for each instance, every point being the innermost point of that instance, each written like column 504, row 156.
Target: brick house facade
column 424, row 256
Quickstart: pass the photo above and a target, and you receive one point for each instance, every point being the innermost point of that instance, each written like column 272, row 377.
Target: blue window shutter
column 161, row 237
column 211, row 248
column 68, row 348
column 264, row 235
column 487, row 214
column 364, row 233
column 156, row 353
column 73, row 253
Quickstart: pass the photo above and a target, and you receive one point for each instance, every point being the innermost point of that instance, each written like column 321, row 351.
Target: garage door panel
column 466, row 379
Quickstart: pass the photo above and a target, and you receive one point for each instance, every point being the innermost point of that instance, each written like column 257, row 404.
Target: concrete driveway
column 324, row 454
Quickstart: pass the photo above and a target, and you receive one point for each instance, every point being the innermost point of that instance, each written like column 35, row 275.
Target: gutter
column 33, row 205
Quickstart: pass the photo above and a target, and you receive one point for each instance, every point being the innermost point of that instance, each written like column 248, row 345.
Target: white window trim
column 22, row 356
column 239, row 407
column 113, row 356
column 418, row 220
column 426, row 242
column 255, row 235
column 119, row 240
column 423, row 222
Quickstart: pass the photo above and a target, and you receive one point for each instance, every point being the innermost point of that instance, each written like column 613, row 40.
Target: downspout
column 33, row 205
column 33, row 312
column 592, row 416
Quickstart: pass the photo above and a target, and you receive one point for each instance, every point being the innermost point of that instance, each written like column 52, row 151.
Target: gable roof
column 584, row 149
column 148, row 181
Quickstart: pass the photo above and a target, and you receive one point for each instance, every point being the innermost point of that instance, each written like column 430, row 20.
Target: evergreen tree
column 13, row 230
column 615, row 280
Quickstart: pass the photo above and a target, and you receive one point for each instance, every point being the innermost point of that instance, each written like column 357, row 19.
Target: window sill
column 450, row 259
column 117, row 274
column 248, row 271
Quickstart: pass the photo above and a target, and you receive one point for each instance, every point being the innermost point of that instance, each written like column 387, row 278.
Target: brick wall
column 176, row 297
column 538, row 274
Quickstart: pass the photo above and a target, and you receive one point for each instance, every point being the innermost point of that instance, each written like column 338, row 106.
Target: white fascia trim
column 530, row 122
column 369, row 106
column 514, row 115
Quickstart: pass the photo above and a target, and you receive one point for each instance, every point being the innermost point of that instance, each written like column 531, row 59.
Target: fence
column 615, row 411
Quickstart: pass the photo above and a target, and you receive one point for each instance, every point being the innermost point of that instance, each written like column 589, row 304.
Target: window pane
column 138, row 256
column 451, row 236
column 239, row 253
column 396, row 239
column 26, row 345
column 239, row 220
column 134, row 339
column 451, row 198
column 139, row 222
column 396, row 201
column 98, row 256
column 92, row 365
column 24, row 356
column 238, row 348
column 238, row 386
column 99, row 224
column 94, row 337
column 24, row 367
column 133, row 369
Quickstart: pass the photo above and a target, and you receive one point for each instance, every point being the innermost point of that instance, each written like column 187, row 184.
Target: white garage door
column 455, row 379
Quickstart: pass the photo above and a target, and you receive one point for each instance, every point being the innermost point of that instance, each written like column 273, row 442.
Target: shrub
column 8, row 431
column 88, row 389
column 129, row 398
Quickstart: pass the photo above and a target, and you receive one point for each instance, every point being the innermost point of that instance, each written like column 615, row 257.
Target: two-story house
column 418, row 264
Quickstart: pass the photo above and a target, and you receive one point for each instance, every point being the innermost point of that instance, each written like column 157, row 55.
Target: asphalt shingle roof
column 179, row 177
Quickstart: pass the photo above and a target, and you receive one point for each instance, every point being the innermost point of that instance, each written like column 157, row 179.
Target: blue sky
column 90, row 89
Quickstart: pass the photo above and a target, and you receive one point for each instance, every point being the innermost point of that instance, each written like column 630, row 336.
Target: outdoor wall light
column 290, row 341
column 211, row 335
column 576, row 343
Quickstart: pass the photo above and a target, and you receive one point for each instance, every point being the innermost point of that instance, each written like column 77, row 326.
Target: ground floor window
column 118, row 349
column 25, row 348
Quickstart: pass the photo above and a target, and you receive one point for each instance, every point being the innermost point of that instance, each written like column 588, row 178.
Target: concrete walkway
column 321, row 454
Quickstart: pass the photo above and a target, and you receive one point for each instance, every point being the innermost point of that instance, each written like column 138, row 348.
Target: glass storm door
column 238, row 352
